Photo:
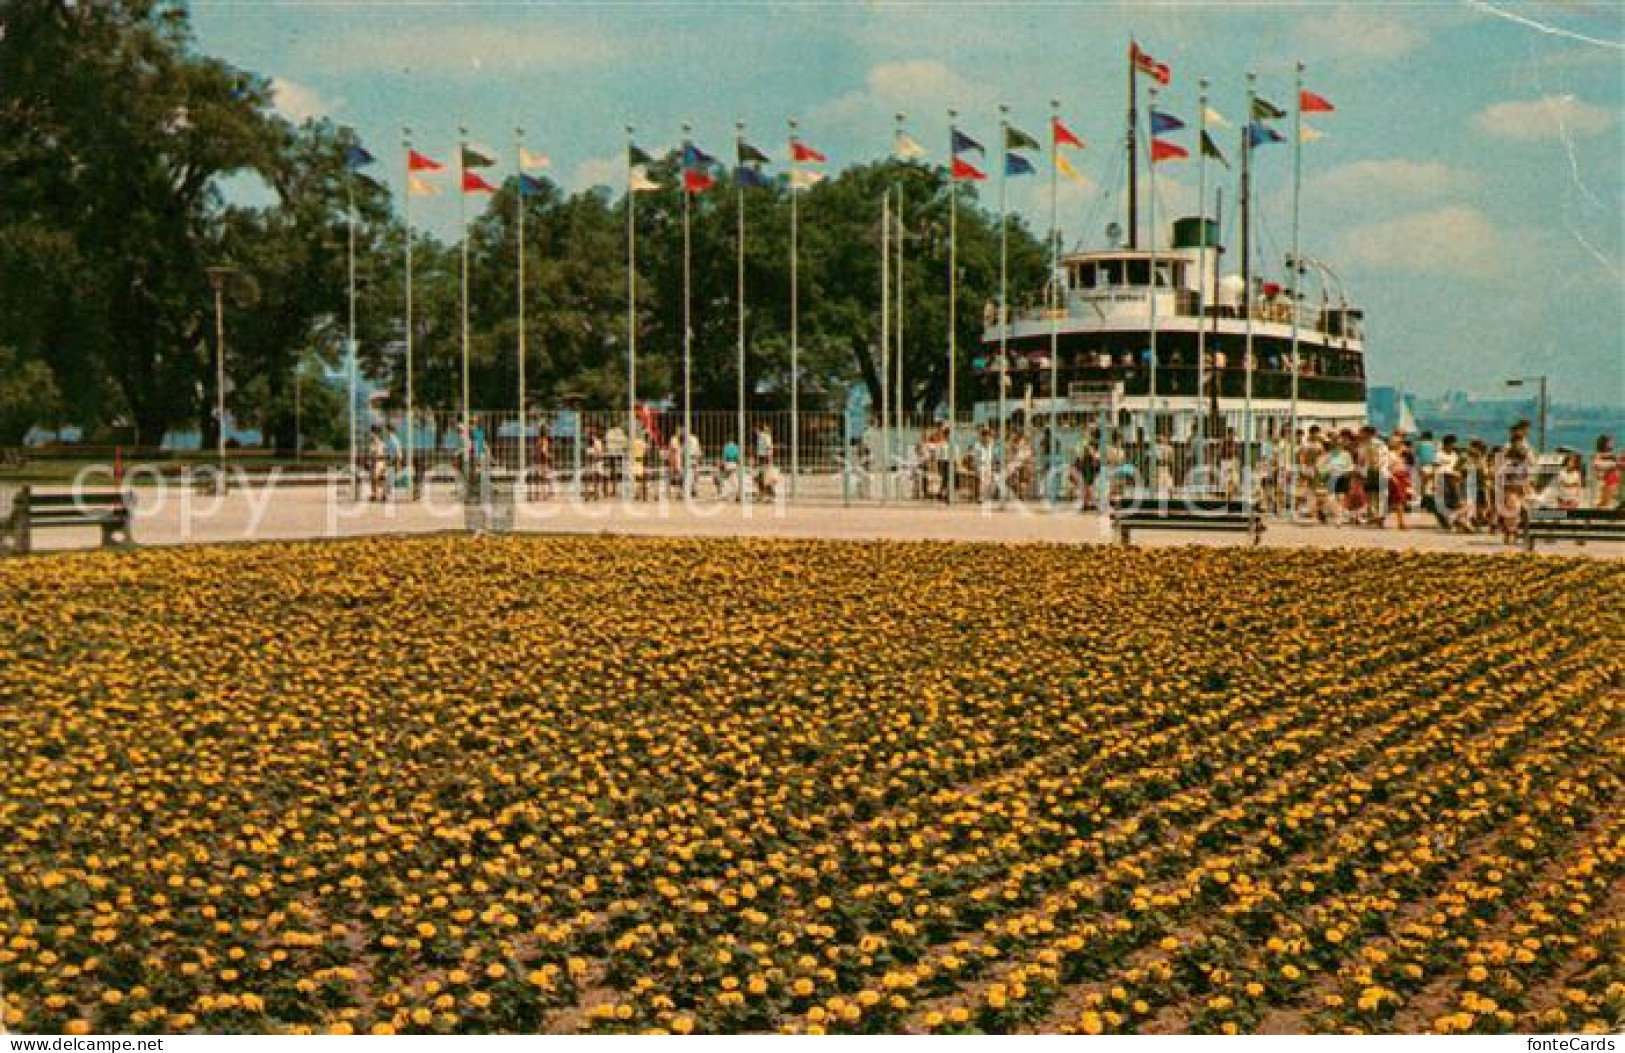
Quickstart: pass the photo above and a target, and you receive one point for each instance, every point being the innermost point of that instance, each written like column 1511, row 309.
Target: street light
column 1518, row 382
column 217, row 279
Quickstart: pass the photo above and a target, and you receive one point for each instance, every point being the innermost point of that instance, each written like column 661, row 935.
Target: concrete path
column 180, row 517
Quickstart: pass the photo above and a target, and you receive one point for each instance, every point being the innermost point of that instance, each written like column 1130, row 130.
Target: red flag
column 800, row 151
column 1143, row 62
column 473, row 184
column 1309, row 102
column 964, row 170
column 1063, row 134
column 416, row 162
column 1162, row 150
column 646, row 417
column 696, row 181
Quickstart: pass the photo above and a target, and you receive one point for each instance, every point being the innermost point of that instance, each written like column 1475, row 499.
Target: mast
column 406, row 202
column 1247, row 280
column 1004, row 311
column 1151, row 238
column 885, row 343
column 1133, row 165
column 519, row 281
column 1297, row 274
column 795, row 327
column 631, row 315
column 1198, row 431
column 1056, row 302
column 739, row 304
column 953, row 319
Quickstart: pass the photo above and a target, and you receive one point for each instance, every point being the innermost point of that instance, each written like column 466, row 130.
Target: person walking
column 1605, row 473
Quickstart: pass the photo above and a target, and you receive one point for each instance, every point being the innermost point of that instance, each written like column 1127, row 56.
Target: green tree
column 113, row 136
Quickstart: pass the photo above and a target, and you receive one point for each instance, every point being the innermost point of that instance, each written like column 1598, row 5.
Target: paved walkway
column 179, row 517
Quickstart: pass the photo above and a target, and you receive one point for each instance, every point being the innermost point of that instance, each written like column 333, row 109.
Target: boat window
column 1139, row 272
column 1165, row 276
column 1083, row 277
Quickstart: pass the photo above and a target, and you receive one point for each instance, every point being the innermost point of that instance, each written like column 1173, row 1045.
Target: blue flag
column 530, row 186
column 694, row 157
column 357, row 157
column 963, row 142
column 1017, row 165
column 1164, row 122
column 745, row 175
column 1259, row 134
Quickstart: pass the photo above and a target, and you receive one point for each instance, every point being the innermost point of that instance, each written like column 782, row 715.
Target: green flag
column 1016, row 139
column 472, row 158
column 1265, row 110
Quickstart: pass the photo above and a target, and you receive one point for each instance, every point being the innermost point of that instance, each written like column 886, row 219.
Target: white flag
column 1307, row 134
column 1215, row 118
column 420, row 187
column 804, row 179
column 907, row 149
column 531, row 162
column 640, row 180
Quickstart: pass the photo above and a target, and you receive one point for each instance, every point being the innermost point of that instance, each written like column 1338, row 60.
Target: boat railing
column 1310, row 319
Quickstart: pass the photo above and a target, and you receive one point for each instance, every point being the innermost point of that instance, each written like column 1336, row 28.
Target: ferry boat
column 1109, row 311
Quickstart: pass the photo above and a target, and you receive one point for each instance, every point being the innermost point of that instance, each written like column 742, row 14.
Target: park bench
column 1205, row 514
column 108, row 510
column 212, row 479
column 1574, row 524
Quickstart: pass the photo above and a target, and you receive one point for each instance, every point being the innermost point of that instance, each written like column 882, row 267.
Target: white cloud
column 466, row 48
column 300, row 102
column 1351, row 33
column 918, row 86
column 1455, row 240
column 600, row 171
column 1551, row 117
column 1385, row 182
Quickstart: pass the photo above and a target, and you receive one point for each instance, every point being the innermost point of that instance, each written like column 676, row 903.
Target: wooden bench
column 108, row 510
column 1153, row 513
column 1574, row 524
column 212, row 480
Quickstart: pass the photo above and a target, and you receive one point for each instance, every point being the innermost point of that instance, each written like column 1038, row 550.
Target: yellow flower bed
column 449, row 784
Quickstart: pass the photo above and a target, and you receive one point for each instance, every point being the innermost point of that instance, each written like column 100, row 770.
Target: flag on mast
column 1063, row 166
column 531, row 162
column 1144, row 63
column 1211, row 149
column 964, row 171
column 473, row 184
column 906, row 149
column 1063, row 135
column 963, row 143
column 416, row 162
column 417, row 186
column 1163, row 150
column 800, row 151
column 1309, row 102
column 477, row 157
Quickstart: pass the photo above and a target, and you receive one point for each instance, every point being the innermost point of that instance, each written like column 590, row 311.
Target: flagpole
column 1054, row 299
column 1151, row 240
column 1247, row 289
column 1297, row 273
column 953, row 319
column 795, row 328
column 688, row 333
column 350, row 184
column 411, row 447
column 902, row 231
column 1133, row 151
column 519, row 196
column 1004, row 274
column 739, row 303
column 885, row 345
column 462, row 226
column 1199, row 430
column 631, row 316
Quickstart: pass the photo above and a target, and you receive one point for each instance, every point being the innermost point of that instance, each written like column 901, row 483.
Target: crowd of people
column 1335, row 477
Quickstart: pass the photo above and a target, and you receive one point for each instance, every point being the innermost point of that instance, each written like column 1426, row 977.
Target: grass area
column 559, row 784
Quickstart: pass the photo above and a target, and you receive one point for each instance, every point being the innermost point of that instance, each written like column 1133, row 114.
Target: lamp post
column 217, row 280
column 1540, row 379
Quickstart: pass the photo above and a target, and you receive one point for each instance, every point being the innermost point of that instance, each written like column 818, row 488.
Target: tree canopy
column 117, row 142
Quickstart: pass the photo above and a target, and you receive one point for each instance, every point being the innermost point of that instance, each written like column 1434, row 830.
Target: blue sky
column 1470, row 188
